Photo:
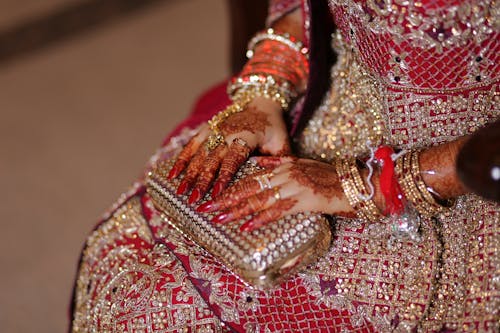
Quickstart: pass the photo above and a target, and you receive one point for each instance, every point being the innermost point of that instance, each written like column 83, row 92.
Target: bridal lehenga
column 410, row 74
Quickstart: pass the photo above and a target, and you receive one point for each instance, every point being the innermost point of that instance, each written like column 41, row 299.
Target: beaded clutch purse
column 262, row 258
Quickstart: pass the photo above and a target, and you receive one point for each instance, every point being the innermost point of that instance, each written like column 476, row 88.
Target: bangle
column 277, row 70
column 413, row 186
column 355, row 191
column 275, row 55
column 271, row 34
column 264, row 86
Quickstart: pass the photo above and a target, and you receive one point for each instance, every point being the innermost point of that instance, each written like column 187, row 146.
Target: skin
column 260, row 125
column 303, row 185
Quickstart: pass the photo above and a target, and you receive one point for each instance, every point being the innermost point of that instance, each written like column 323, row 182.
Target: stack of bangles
column 408, row 182
column 415, row 190
column 277, row 69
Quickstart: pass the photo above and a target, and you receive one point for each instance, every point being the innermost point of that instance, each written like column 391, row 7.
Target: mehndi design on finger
column 253, row 204
column 242, row 189
column 272, row 161
column 236, row 156
column 273, row 213
column 192, row 171
column 207, row 173
column 184, row 157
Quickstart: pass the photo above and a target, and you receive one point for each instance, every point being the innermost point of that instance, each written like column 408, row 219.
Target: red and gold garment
column 410, row 74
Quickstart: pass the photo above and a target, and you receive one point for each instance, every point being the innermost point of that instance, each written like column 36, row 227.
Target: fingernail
column 183, row 187
column 195, row 196
column 221, row 218
column 218, row 187
column 174, row 172
column 208, row 206
column 247, row 226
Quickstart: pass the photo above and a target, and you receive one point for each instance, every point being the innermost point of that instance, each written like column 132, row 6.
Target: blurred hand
column 287, row 186
column 259, row 126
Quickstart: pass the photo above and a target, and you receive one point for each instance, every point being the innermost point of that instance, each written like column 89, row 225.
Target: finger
column 253, row 204
column 278, row 210
column 271, row 161
column 278, row 146
column 192, row 171
column 235, row 157
column 187, row 154
column 207, row 173
column 256, row 203
column 242, row 190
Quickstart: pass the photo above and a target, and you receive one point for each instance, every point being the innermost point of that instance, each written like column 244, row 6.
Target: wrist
column 378, row 198
column 266, row 105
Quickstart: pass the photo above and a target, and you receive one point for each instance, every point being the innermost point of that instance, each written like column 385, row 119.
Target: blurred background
column 88, row 89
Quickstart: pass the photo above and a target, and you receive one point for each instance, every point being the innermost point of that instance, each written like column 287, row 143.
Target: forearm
column 278, row 64
column 438, row 166
column 438, row 171
column 292, row 23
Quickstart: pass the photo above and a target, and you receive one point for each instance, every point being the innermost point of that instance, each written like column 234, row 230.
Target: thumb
column 278, row 144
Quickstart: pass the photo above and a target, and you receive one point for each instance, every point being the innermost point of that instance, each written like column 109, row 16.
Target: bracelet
column 241, row 98
column 271, row 54
column 355, row 191
column 413, row 186
column 271, row 34
column 263, row 86
column 217, row 138
column 277, row 71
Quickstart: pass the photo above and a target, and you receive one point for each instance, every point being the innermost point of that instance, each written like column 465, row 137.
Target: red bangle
column 395, row 201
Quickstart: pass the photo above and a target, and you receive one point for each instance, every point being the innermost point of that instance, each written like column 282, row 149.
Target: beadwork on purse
column 262, row 258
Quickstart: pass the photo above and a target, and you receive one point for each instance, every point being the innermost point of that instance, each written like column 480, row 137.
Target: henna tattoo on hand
column 235, row 157
column 195, row 166
column 251, row 120
column 252, row 205
column 183, row 158
column 273, row 213
column 207, row 173
column 239, row 191
column 321, row 178
column 273, row 161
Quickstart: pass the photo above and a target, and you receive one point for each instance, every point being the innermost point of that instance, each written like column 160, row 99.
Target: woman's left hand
column 287, row 185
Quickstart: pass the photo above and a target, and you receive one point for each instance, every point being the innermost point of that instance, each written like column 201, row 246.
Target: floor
column 77, row 122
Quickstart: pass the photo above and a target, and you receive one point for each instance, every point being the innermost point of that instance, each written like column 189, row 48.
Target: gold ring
column 214, row 140
column 277, row 194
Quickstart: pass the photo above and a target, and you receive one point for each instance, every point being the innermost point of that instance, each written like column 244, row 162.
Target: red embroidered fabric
column 435, row 62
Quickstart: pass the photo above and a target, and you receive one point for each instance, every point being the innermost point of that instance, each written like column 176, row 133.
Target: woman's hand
column 287, row 185
column 260, row 126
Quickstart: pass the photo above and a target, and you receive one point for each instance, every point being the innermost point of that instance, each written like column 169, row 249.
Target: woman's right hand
column 259, row 126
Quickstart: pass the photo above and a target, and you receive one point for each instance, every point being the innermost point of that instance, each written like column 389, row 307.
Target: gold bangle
column 413, row 186
column 262, row 86
column 354, row 189
column 419, row 181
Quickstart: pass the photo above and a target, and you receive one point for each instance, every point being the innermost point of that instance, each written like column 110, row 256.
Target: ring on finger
column 214, row 140
column 242, row 146
column 241, row 142
column 277, row 194
column 264, row 181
